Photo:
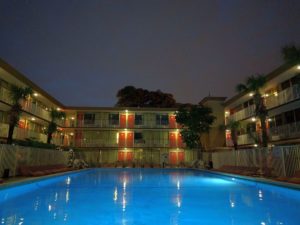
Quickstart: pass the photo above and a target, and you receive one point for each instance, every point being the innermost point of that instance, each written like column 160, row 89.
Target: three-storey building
column 282, row 99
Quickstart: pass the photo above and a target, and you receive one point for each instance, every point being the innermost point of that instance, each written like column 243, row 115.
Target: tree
column 17, row 94
column 291, row 54
column 233, row 126
column 195, row 120
column 52, row 127
column 254, row 84
column 130, row 96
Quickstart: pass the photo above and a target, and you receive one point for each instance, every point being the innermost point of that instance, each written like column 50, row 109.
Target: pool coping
column 29, row 180
column 256, row 179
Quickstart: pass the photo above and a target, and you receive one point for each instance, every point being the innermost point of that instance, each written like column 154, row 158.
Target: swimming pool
column 148, row 196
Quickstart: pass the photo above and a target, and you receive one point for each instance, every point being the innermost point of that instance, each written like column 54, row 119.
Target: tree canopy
column 131, row 96
column 291, row 54
column 195, row 120
column 254, row 83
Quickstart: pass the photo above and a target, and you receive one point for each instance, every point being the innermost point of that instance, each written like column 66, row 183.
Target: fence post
column 283, row 162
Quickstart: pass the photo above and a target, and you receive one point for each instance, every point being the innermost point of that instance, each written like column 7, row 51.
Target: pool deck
column 15, row 181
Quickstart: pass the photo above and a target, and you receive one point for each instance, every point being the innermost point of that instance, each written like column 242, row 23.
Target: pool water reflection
column 148, row 196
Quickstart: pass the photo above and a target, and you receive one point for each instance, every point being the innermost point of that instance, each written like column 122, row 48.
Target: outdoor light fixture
column 298, row 67
column 35, row 94
column 255, row 145
column 269, row 119
column 251, row 94
column 253, row 119
column 32, row 118
column 275, row 93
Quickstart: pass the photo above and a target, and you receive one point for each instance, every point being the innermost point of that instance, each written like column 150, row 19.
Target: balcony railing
column 245, row 139
column 106, row 124
column 282, row 97
column 291, row 130
column 114, row 144
column 242, row 114
column 28, row 105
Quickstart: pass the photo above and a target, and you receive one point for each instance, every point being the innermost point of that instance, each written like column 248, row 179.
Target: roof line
column 20, row 76
column 269, row 77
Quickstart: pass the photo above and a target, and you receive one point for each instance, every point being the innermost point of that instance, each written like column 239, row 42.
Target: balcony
column 243, row 114
column 291, row 130
column 22, row 134
column 28, row 106
column 113, row 144
column 36, row 110
column 106, row 124
column 282, row 97
column 245, row 139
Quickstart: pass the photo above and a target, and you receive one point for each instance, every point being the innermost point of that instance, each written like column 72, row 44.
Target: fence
column 281, row 160
column 11, row 157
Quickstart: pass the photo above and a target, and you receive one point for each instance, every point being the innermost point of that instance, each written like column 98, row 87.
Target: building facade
column 148, row 135
column 282, row 99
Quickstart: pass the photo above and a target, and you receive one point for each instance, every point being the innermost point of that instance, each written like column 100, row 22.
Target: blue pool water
column 148, row 196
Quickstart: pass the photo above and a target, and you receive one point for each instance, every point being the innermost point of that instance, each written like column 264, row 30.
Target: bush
column 35, row 144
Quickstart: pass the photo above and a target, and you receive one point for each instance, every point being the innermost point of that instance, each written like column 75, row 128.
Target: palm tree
column 233, row 126
column 17, row 94
column 254, row 84
column 291, row 54
column 52, row 127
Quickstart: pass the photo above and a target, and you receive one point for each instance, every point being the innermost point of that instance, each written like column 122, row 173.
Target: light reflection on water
column 144, row 196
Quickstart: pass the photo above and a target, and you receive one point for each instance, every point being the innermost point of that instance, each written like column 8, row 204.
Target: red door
column 129, row 141
column 129, row 156
column 122, row 139
column 78, row 138
column 173, row 158
column 123, row 120
column 79, row 120
column 172, row 121
column 172, row 140
column 179, row 141
column 180, row 156
column 121, row 156
column 130, row 121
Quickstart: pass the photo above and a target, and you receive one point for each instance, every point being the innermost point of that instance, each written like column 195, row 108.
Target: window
column 289, row 117
column 162, row 119
column 138, row 138
column 138, row 119
column 113, row 119
column 89, row 118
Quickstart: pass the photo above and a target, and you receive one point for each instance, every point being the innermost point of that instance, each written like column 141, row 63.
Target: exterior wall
column 282, row 99
column 215, row 138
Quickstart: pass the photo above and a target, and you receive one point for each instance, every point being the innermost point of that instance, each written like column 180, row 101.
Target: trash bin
column 5, row 173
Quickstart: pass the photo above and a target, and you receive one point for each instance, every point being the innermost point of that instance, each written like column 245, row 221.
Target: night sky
column 83, row 52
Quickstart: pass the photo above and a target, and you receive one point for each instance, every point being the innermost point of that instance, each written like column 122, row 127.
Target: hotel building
column 282, row 99
column 118, row 134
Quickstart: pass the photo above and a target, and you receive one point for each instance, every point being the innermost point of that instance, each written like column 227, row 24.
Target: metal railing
column 284, row 96
column 290, row 130
column 242, row 114
column 279, row 160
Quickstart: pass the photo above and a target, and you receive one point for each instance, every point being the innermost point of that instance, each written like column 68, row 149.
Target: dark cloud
column 82, row 52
